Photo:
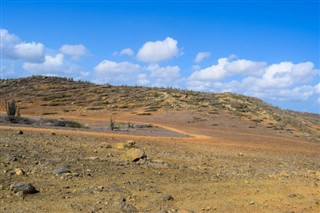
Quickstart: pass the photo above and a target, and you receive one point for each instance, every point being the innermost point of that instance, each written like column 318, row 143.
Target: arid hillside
column 81, row 147
column 47, row 96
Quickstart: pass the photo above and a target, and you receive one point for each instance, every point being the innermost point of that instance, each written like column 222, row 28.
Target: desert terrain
column 170, row 151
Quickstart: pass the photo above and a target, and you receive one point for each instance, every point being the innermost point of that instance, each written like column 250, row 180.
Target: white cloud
column 29, row 52
column 51, row 64
column 167, row 73
column 13, row 48
column 74, row 51
column 127, row 51
column 56, row 66
column 227, row 67
column 7, row 39
column 201, row 55
column 159, row 76
column 317, row 88
column 157, row 51
column 107, row 66
column 284, row 75
column 143, row 79
column 116, row 72
column 283, row 81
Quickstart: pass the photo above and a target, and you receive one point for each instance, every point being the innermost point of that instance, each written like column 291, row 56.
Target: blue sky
column 267, row 49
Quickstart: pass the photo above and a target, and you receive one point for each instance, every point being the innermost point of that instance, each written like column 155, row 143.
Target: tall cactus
column 11, row 108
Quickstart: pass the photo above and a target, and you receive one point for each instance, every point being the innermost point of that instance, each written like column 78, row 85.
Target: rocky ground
column 210, row 170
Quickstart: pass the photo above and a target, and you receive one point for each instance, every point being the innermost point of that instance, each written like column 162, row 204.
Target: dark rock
column 61, row 169
column 23, row 188
column 20, row 132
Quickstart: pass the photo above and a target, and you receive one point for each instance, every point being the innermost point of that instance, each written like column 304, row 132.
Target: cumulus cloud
column 30, row 52
column 157, row 51
column 117, row 72
column 201, row 55
column 166, row 73
column 157, row 76
column 283, row 81
column 74, row 51
column 51, row 64
column 227, row 67
column 13, row 48
column 7, row 39
column 107, row 66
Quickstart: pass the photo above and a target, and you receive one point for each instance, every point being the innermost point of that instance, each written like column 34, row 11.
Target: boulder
column 23, row 188
column 135, row 154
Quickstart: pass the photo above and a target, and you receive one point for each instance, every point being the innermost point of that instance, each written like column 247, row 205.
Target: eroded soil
column 203, row 169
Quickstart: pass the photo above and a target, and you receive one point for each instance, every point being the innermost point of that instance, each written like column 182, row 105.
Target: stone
column 135, row 154
column 19, row 172
column 165, row 197
column 93, row 158
column 131, row 143
column 23, row 188
column 240, row 154
column 251, row 202
column 61, row 169
column 20, row 132
column 185, row 211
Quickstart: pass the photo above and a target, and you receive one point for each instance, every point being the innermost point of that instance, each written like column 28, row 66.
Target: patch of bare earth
column 226, row 167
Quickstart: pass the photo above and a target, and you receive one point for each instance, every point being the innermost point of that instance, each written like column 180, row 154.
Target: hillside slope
column 40, row 95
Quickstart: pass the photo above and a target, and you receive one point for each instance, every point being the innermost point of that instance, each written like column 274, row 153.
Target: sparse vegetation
column 112, row 123
column 51, row 92
column 11, row 108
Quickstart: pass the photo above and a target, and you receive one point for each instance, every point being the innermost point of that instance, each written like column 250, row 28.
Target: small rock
column 240, row 154
column 93, row 158
column 23, row 188
column 19, row 172
column 185, row 211
column 165, row 197
column 131, row 143
column 20, row 132
column 61, row 169
column 251, row 202
column 134, row 154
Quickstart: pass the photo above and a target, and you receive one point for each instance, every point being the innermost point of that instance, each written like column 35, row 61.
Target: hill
column 39, row 95
column 82, row 147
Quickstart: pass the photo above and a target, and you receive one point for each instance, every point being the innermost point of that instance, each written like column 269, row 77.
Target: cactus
column 11, row 108
column 112, row 124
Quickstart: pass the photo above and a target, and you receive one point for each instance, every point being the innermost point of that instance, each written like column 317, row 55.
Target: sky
column 268, row 49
